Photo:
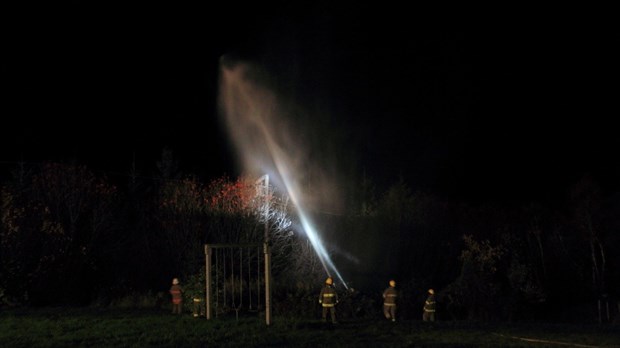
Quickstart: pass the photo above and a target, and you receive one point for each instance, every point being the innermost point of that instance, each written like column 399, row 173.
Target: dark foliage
column 68, row 236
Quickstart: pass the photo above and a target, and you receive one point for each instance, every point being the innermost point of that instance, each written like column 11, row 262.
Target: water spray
column 263, row 145
column 313, row 236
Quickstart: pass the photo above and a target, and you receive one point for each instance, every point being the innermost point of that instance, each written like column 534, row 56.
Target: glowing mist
column 267, row 144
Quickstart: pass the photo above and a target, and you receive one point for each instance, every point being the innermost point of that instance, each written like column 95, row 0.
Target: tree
column 181, row 218
column 476, row 289
column 55, row 225
column 396, row 211
column 586, row 201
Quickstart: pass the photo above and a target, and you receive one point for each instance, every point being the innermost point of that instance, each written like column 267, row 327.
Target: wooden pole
column 208, row 281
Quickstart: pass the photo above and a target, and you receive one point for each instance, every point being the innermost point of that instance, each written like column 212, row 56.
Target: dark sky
column 506, row 106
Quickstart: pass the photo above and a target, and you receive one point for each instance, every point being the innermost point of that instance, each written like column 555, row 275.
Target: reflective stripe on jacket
column 429, row 305
column 389, row 297
column 176, row 291
column 328, row 296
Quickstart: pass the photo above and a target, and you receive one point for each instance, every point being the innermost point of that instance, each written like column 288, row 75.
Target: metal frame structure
column 264, row 180
column 209, row 298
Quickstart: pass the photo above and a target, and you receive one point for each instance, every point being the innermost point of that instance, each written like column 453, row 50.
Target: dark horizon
column 498, row 110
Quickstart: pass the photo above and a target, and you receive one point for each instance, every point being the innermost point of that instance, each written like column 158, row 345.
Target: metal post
column 208, row 280
column 267, row 251
column 267, row 283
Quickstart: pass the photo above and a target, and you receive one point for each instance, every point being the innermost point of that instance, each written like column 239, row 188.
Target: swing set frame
column 210, row 250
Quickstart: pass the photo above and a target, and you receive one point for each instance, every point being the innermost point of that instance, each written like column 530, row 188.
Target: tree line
column 70, row 236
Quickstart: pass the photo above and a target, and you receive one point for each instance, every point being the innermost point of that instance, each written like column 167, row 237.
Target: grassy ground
column 88, row 327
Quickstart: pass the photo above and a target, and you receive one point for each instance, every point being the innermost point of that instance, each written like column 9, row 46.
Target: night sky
column 508, row 107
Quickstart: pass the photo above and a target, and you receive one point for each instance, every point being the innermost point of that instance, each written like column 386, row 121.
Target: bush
column 133, row 300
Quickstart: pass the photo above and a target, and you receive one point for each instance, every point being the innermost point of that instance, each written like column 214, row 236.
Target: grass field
column 89, row 327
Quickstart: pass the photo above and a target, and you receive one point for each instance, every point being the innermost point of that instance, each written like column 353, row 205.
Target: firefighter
column 199, row 309
column 328, row 300
column 177, row 296
column 389, row 301
column 429, row 307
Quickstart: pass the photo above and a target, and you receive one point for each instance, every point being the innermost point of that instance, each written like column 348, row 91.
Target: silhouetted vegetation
column 70, row 236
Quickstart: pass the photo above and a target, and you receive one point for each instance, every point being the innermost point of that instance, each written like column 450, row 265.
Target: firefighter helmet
column 392, row 283
column 175, row 281
column 431, row 291
column 329, row 281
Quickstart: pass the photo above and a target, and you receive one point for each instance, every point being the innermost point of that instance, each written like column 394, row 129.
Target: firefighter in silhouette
column 177, row 296
column 429, row 307
column 328, row 300
column 389, row 301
